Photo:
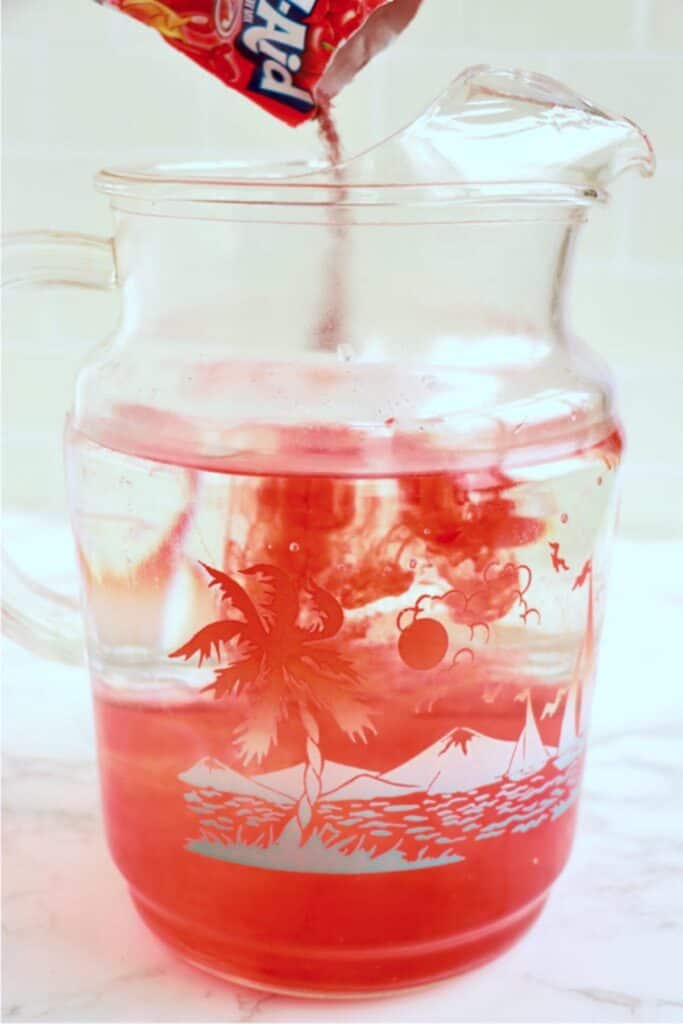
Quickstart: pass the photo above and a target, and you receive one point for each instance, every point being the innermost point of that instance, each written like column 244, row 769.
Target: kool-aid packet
column 289, row 56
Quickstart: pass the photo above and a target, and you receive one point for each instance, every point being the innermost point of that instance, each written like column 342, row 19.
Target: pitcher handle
column 40, row 619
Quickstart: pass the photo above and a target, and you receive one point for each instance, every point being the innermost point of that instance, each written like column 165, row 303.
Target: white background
column 85, row 87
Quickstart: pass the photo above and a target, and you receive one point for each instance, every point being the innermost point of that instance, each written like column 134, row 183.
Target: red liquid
column 310, row 932
column 457, row 762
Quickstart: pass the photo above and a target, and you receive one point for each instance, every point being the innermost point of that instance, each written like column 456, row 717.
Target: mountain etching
column 463, row 789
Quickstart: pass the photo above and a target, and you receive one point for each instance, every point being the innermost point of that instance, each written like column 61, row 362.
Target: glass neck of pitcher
column 381, row 284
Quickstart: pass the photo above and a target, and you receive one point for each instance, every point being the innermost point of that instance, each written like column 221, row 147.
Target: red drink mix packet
column 289, row 56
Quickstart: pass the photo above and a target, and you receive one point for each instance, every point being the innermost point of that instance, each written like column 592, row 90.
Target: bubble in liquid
column 294, row 547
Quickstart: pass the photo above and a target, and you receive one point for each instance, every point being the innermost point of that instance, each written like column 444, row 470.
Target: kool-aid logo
column 275, row 34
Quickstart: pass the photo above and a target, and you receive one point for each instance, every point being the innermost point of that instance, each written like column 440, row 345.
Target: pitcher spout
column 509, row 127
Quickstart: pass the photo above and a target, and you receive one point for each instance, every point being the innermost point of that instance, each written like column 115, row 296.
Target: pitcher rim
column 299, row 184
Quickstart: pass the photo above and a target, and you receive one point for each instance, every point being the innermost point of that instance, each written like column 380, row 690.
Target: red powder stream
column 330, row 329
column 329, row 133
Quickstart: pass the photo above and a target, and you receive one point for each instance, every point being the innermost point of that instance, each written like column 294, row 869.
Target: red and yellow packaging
column 285, row 55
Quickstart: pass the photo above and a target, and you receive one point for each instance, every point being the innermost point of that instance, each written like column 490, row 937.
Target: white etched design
column 529, row 754
column 429, row 811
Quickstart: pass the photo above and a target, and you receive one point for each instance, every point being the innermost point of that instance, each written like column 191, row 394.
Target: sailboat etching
column 529, row 755
column 577, row 703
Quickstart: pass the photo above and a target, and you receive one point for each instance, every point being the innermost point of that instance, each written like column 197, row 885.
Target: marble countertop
column 609, row 946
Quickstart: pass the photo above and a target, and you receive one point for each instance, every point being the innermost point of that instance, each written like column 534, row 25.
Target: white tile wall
column 84, row 87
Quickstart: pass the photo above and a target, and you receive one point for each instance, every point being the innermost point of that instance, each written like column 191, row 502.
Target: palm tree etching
column 280, row 654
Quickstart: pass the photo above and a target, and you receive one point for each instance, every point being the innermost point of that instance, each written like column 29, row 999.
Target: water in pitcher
column 340, row 714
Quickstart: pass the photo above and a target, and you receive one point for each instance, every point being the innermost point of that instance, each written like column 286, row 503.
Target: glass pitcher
column 342, row 489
